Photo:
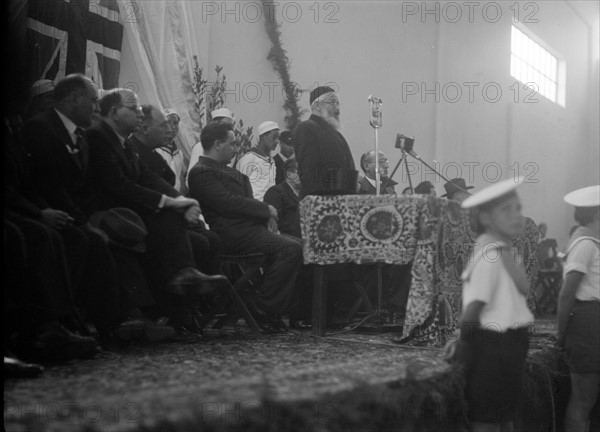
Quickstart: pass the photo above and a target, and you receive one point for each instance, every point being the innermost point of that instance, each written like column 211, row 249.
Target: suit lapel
column 79, row 160
column 130, row 168
column 367, row 187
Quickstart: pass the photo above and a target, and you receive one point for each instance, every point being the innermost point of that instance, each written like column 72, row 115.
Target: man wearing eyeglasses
column 324, row 159
column 122, row 179
column 367, row 185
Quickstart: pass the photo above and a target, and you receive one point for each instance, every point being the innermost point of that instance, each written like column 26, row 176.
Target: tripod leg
column 412, row 189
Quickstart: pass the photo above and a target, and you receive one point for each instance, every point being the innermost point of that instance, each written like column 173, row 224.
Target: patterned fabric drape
column 434, row 233
column 360, row 228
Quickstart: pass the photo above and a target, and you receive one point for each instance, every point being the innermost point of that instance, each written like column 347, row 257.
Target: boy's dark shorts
column 582, row 341
column 494, row 374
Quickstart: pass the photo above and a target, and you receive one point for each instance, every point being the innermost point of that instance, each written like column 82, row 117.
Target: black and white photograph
column 256, row 215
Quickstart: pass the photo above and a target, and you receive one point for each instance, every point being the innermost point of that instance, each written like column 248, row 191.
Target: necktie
column 128, row 149
column 75, row 148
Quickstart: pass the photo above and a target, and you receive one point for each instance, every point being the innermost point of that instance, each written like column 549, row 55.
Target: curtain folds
column 163, row 36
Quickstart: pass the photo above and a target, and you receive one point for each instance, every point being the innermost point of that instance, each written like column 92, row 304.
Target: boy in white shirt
column 495, row 321
column 579, row 308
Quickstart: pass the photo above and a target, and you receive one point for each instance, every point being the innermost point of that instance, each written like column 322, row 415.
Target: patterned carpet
column 217, row 381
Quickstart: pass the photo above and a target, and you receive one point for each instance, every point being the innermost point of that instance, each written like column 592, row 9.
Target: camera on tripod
column 405, row 143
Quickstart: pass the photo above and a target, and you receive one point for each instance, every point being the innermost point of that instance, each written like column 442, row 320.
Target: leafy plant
column 211, row 98
column 281, row 64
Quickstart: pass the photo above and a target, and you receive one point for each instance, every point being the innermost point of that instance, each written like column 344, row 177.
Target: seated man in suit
column 60, row 159
column 222, row 115
column 120, row 178
column 285, row 198
column 152, row 135
column 366, row 185
column 395, row 278
column 244, row 224
column 286, row 151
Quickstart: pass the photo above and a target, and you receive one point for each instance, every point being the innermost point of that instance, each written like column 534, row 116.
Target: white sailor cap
column 492, row 192
column 267, row 126
column 585, row 197
column 221, row 112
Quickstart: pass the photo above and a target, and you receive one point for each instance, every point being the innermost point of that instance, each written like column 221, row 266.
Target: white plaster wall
column 385, row 48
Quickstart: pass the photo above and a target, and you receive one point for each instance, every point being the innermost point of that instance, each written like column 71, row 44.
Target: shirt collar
column 372, row 181
column 68, row 123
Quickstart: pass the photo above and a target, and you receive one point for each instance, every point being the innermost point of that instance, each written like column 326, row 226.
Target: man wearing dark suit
column 366, row 185
column 240, row 220
column 286, row 151
column 285, row 198
column 324, row 159
column 121, row 179
column 42, row 294
column 60, row 169
column 153, row 134
column 395, row 278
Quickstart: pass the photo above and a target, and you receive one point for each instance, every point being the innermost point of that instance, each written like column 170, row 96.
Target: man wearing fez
column 367, row 185
column 324, row 158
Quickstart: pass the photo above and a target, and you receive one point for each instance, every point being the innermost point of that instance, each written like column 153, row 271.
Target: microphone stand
column 376, row 122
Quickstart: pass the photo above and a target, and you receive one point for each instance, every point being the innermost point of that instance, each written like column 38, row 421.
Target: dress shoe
column 143, row 330
column 54, row 343
column 300, row 325
column 269, row 322
column 189, row 278
column 185, row 336
column 15, row 368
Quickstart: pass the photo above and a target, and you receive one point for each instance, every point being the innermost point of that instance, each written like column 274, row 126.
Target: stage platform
column 234, row 380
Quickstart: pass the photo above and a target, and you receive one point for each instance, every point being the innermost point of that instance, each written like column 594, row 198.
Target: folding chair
column 244, row 273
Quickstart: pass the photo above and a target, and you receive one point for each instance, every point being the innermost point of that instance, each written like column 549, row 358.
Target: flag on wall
column 75, row 36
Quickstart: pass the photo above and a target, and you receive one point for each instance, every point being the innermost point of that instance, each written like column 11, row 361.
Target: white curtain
column 163, row 41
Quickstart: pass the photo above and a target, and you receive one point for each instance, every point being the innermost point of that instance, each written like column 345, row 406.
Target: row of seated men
column 81, row 205
column 95, row 215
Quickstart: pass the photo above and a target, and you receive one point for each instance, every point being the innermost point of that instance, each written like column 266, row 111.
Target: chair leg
column 239, row 303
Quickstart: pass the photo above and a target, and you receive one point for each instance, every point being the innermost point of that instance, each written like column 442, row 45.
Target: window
column 534, row 66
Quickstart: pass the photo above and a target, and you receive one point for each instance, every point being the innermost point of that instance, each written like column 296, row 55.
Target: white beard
column 334, row 122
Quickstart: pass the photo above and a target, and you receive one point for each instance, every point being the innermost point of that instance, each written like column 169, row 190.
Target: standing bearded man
column 325, row 162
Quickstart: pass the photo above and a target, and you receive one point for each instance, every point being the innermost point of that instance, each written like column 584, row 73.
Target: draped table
column 432, row 233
